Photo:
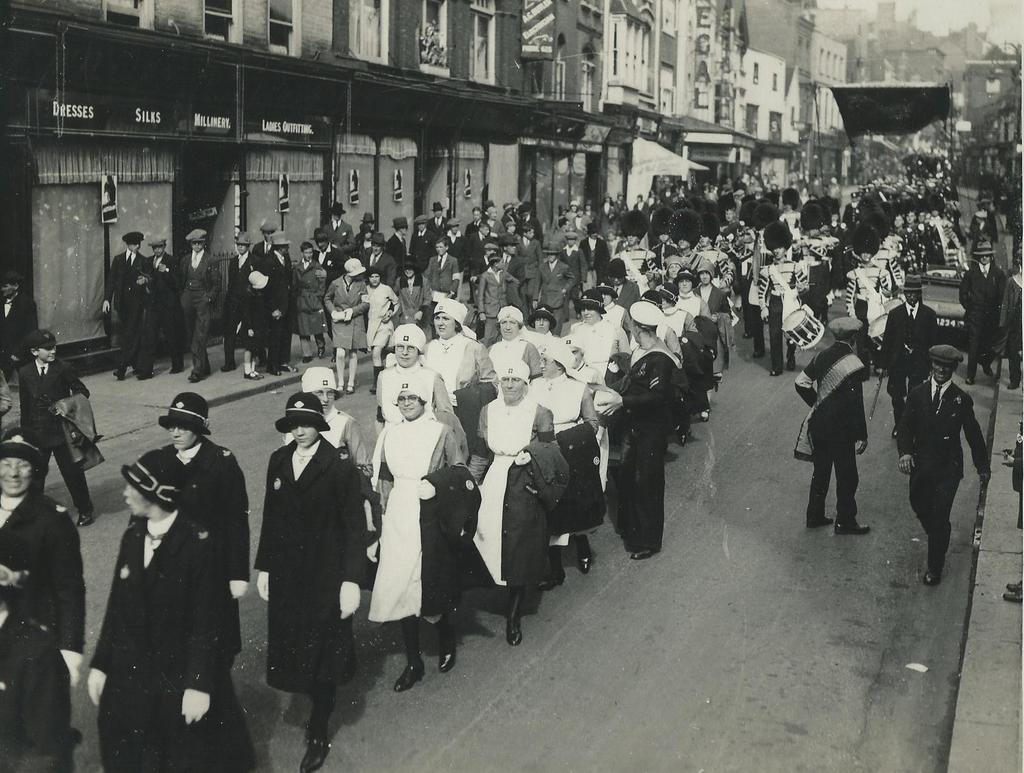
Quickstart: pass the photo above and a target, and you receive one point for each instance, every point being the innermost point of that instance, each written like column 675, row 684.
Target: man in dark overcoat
column 311, row 560
column 239, row 268
column 19, row 318
column 156, row 676
column 421, row 243
column 163, row 310
column 200, row 279
column 41, row 383
column 125, row 293
column 928, row 439
column 835, row 432
column 910, row 331
column 279, row 301
column 981, row 295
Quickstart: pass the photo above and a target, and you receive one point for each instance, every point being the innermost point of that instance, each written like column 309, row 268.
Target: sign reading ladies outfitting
column 305, row 130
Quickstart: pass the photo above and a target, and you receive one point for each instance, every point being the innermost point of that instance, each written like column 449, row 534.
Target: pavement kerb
column 987, row 723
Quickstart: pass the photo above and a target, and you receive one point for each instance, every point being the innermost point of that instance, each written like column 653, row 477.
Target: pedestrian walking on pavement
column 910, row 331
column 981, row 294
column 239, row 269
column 309, row 284
column 280, row 305
column 311, row 561
column 418, row 573
column 200, row 278
column 347, row 301
column 124, row 294
column 41, row 383
column 39, row 538
column 835, row 430
column 1010, row 324
column 928, row 439
column 163, row 691
column 19, row 319
column 163, row 310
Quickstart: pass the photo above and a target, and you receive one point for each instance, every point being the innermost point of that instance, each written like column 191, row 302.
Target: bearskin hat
column 748, row 213
column 659, row 220
column 776, row 235
column 725, row 202
column 765, row 213
column 791, row 198
column 936, row 203
column 812, row 216
column 634, row 223
column 710, row 226
column 865, row 239
column 877, row 219
column 685, row 225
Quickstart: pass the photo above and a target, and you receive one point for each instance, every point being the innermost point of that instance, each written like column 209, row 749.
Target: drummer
column 512, row 344
column 598, row 338
column 459, row 358
column 778, row 292
column 866, row 287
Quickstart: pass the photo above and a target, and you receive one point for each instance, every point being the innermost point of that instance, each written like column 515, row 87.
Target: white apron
column 597, row 342
column 509, row 351
column 445, row 357
column 398, row 589
column 509, row 431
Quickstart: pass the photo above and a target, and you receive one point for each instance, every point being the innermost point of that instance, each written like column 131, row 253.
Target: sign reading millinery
column 282, row 193
column 538, row 28
column 397, row 185
column 203, row 122
column 108, row 199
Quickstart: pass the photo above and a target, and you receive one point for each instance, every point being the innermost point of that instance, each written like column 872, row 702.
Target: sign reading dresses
column 538, row 28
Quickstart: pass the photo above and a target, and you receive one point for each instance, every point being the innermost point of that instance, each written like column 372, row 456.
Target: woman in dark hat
column 600, row 338
column 311, row 560
column 540, row 324
column 309, row 283
column 415, row 298
column 162, row 689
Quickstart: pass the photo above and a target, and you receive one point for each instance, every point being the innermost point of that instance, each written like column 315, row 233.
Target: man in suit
column 330, row 258
column 474, row 223
column 443, row 274
column 41, row 383
column 928, row 439
column 472, row 258
column 19, row 319
column 234, row 300
column 339, row 232
column 395, row 246
column 573, row 257
column 835, row 432
column 910, row 331
column 125, row 293
column 421, row 245
column 279, row 304
column 377, row 257
column 527, row 217
column 265, row 248
column 514, row 266
column 555, row 281
column 981, row 295
column 437, row 225
column 163, row 311
column 491, row 292
column 200, row 280
column 531, row 254
column 595, row 250
column 456, row 241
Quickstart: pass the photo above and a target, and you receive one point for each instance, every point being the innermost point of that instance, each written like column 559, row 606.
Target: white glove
column 238, row 588
column 73, row 660
column 337, row 316
column 106, row 307
column 348, row 599
column 263, row 585
column 426, row 490
column 371, row 551
column 194, row 705
column 97, row 680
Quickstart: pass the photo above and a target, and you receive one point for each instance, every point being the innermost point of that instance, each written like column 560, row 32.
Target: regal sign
column 539, row 28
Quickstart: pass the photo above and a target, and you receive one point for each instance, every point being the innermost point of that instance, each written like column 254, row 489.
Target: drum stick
column 874, row 402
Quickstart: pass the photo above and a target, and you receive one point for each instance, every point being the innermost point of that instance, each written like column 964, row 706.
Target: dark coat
column 159, row 637
column 981, row 296
column 447, row 525
column 333, row 263
column 582, row 506
column 38, row 394
column 122, row 289
column 238, row 288
column 906, row 342
column 21, row 321
column 386, row 264
column 313, row 539
column 421, row 249
column 35, row 702
column 533, row 491
column 469, row 402
column 933, row 439
column 278, row 293
column 41, row 538
column 598, row 257
column 214, row 497
column 554, row 283
column 164, row 285
column 648, row 392
column 840, row 416
column 395, row 247
column 341, row 237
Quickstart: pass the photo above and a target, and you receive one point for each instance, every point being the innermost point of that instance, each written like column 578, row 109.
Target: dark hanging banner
column 890, row 108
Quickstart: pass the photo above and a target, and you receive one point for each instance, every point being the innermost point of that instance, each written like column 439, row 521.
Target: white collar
column 942, row 389
column 308, row 453
column 10, row 503
column 160, row 528
column 912, row 310
column 3, row 616
column 189, row 453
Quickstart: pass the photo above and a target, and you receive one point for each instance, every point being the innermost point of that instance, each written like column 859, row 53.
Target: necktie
column 936, row 399
column 42, row 371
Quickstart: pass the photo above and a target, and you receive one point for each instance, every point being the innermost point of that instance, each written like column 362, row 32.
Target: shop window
column 368, row 30
column 434, row 34
column 558, row 83
column 587, row 77
column 219, row 21
column 775, row 127
column 281, row 27
column 535, row 78
column 667, row 95
column 482, row 53
column 751, row 123
column 757, row 73
column 129, row 13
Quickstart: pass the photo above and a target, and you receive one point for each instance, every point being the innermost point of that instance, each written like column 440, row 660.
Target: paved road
column 747, row 644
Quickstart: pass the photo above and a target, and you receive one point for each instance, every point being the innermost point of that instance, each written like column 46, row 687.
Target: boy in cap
column 125, row 293
column 201, row 286
column 835, row 431
column 928, row 439
column 41, row 383
column 19, row 318
column 443, row 274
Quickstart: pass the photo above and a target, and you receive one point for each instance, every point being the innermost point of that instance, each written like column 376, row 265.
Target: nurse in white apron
column 459, row 358
column 513, row 344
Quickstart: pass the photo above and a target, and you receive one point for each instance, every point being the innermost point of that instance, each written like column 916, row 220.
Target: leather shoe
column 194, row 379
column 932, row 578
column 775, row 373
column 1013, row 385
column 851, row 528
column 446, row 661
column 316, row 753
column 969, row 381
column 584, row 562
column 85, row 519
column 513, row 631
column 175, row 370
column 986, row 369
column 814, row 523
column 120, row 374
column 227, row 368
column 144, row 376
column 642, row 555
column 409, row 676
column 894, row 431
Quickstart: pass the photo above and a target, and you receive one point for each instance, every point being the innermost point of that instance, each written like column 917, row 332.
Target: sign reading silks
column 396, row 185
column 353, row 187
column 108, row 199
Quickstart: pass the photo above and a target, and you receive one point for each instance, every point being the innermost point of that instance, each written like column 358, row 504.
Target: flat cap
column 268, row 228
column 196, row 235
column 844, row 328
column 945, row 354
column 242, row 238
column 158, row 241
column 39, row 339
column 132, row 237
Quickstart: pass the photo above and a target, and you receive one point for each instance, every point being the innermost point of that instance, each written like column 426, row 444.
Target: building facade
column 768, row 116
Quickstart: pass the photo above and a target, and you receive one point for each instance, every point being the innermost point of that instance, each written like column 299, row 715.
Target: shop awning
column 651, row 159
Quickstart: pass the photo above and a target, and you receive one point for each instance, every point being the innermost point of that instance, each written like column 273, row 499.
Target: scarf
column 842, row 369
